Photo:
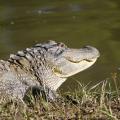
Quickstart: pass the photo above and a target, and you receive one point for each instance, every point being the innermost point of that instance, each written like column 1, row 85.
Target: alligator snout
column 92, row 50
column 87, row 53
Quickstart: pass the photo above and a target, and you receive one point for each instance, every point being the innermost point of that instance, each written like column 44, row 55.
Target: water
column 76, row 23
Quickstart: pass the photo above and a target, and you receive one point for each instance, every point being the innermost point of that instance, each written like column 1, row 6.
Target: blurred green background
column 74, row 22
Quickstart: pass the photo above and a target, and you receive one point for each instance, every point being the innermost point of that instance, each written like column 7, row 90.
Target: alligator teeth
column 88, row 60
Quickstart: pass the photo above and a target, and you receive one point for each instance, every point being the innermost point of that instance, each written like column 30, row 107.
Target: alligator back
column 13, row 80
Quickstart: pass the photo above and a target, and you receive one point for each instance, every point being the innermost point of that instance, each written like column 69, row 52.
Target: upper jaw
column 78, row 61
column 87, row 53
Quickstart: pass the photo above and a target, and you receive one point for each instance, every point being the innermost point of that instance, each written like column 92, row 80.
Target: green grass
column 98, row 102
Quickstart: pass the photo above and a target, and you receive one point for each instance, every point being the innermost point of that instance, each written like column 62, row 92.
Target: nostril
column 92, row 50
column 87, row 47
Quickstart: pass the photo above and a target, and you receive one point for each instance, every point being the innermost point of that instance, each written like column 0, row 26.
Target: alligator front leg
column 40, row 92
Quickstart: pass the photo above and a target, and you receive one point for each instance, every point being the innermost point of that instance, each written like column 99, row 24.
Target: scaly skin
column 44, row 66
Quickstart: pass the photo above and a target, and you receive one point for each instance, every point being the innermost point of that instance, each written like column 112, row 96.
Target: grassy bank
column 95, row 103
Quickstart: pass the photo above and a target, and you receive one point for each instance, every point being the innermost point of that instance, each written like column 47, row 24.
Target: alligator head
column 54, row 62
column 66, row 62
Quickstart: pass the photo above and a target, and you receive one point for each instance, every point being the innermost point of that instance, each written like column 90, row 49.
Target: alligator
column 44, row 67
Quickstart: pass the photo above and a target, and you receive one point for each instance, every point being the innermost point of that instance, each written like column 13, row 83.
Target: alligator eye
column 61, row 44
